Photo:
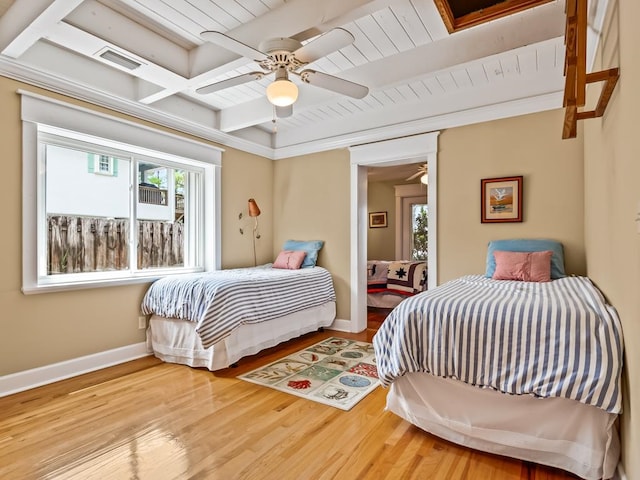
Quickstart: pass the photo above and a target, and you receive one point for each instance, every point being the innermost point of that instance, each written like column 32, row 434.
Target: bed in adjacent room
column 522, row 361
column 390, row 282
column 213, row 319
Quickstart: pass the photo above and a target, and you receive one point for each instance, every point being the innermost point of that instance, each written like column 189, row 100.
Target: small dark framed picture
column 501, row 199
column 377, row 219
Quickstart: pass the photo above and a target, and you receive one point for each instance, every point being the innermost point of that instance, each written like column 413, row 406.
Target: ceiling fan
column 422, row 173
column 285, row 56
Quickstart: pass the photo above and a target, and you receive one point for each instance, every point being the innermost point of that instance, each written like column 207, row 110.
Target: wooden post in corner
column 576, row 77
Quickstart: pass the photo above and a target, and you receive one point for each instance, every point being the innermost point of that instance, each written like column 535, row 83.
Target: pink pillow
column 289, row 259
column 523, row 266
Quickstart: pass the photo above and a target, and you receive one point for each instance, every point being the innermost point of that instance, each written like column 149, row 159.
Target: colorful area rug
column 336, row 371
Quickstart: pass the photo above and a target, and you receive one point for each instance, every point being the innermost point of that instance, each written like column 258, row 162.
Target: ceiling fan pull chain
column 273, row 120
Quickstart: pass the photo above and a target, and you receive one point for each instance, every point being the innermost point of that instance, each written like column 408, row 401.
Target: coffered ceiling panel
column 149, row 58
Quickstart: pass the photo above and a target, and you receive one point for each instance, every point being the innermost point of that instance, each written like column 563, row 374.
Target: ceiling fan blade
column 284, row 112
column 415, row 175
column 422, row 170
column 335, row 84
column 233, row 45
column 230, row 82
column 325, row 44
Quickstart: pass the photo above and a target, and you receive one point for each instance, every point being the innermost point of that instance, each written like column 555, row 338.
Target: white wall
column 73, row 190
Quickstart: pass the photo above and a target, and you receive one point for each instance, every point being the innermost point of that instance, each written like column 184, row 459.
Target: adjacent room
column 284, row 239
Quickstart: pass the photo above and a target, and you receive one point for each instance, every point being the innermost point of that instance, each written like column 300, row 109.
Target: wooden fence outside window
column 95, row 244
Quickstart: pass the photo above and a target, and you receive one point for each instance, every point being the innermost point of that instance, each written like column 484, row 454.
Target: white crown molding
column 524, row 106
column 36, row 377
column 42, row 109
column 83, row 92
column 402, row 149
column 487, row 113
column 352, row 139
column 16, row 71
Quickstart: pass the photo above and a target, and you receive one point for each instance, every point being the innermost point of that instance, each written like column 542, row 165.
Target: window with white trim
column 419, row 231
column 147, row 213
column 412, row 221
column 102, row 164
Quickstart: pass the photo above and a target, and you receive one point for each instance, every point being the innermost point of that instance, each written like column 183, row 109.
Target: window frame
column 97, row 169
column 404, row 227
column 412, row 234
column 40, row 113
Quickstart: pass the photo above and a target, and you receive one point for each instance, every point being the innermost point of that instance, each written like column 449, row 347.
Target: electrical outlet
column 142, row 322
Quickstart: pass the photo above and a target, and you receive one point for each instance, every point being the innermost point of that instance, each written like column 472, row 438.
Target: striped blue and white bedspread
column 222, row 300
column 554, row 339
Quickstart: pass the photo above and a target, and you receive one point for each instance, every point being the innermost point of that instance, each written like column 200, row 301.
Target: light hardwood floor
column 152, row 420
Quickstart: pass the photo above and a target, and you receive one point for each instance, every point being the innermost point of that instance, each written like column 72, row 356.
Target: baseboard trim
column 36, row 377
column 620, row 475
column 341, row 325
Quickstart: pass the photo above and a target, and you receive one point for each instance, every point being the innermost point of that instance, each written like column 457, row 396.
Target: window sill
column 101, row 283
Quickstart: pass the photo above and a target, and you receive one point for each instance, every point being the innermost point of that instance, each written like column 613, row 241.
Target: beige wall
column 531, row 146
column 381, row 242
column 47, row 328
column 311, row 196
column 612, row 201
column 311, row 202
column 246, row 176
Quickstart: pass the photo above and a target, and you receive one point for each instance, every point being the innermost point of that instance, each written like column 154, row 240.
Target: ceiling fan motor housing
column 273, row 45
column 280, row 52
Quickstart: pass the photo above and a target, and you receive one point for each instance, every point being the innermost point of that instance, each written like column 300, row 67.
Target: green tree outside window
column 419, row 237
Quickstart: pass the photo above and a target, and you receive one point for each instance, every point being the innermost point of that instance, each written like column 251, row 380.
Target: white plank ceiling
column 420, row 77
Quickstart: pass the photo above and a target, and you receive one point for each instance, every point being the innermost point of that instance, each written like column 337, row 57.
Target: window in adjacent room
column 419, row 231
column 412, row 226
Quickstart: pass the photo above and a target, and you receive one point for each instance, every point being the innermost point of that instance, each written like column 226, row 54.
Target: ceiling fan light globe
column 424, row 179
column 282, row 93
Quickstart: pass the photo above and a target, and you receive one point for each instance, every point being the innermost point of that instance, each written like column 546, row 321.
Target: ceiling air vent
column 119, row 59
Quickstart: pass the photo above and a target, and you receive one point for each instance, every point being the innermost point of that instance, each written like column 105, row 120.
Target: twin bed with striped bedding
column 525, row 369
column 213, row 319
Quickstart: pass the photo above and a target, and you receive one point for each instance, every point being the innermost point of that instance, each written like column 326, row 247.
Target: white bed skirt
column 176, row 341
column 558, row 432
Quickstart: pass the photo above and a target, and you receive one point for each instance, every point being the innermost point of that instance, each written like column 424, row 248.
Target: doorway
column 414, row 149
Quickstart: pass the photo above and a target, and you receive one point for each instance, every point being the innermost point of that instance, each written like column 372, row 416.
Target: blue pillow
column 311, row 247
column 528, row 245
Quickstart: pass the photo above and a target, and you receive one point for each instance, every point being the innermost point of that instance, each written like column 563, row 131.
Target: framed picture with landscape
column 377, row 219
column 501, row 199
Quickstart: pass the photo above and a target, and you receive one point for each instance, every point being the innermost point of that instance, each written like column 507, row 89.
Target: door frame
column 421, row 148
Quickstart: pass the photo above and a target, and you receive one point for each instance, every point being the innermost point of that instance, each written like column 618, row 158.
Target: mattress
column 221, row 300
column 548, row 339
column 558, row 432
column 176, row 341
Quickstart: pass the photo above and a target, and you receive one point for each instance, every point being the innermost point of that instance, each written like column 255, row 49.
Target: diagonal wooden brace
column 571, row 117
